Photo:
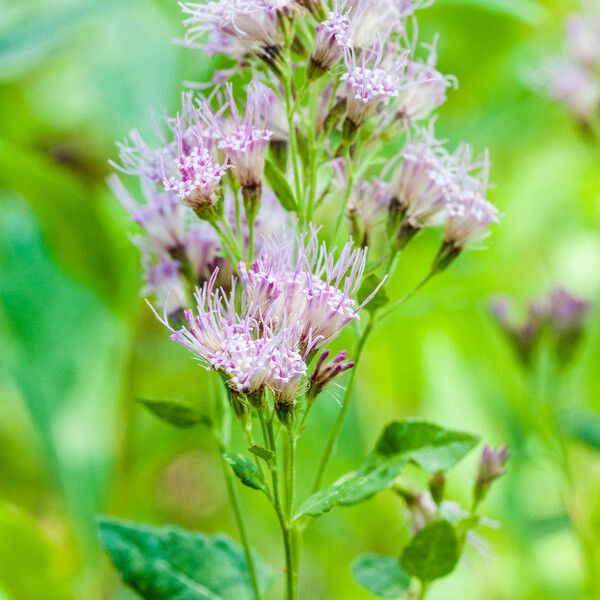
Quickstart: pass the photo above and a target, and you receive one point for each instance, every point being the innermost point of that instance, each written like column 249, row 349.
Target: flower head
column 236, row 27
column 252, row 354
column 491, row 467
column 331, row 40
column 469, row 214
column 374, row 20
column 197, row 174
column 243, row 139
column 371, row 81
column 301, row 282
column 583, row 38
column 425, row 88
column 577, row 88
column 425, row 181
column 567, row 312
column 165, row 283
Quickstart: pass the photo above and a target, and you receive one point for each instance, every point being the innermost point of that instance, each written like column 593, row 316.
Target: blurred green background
column 78, row 344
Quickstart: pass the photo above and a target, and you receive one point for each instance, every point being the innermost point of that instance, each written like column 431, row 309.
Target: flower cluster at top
column 295, row 298
column 559, row 318
column 574, row 78
column 294, row 133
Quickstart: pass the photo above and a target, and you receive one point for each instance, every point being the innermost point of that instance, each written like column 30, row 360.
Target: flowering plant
column 236, row 192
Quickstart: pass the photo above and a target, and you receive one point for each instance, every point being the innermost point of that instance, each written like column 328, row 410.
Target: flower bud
column 491, row 467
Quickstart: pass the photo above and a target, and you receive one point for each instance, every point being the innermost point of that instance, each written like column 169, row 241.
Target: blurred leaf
column 30, row 35
column 433, row 552
column 245, row 471
column 169, row 563
column 583, row 427
column 280, row 186
column 528, row 11
column 25, row 558
column 69, row 352
column 66, row 211
column 381, row 575
column 433, row 448
column 174, row 412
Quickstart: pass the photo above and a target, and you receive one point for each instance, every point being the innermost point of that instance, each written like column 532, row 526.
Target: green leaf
column 169, row 563
column 245, row 471
column 381, row 575
column 177, row 413
column 379, row 300
column 323, row 501
column 431, row 447
column 67, row 213
column 261, row 452
column 281, row 187
column 433, row 552
column 583, row 427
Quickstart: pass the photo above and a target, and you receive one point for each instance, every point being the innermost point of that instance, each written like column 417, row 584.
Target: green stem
column 237, row 511
column 423, row 591
column 345, row 405
column 232, row 491
column 286, row 529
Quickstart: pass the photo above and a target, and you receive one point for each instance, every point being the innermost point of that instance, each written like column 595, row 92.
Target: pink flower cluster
column 295, row 298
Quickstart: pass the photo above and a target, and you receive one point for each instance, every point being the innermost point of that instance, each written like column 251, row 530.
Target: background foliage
column 78, row 345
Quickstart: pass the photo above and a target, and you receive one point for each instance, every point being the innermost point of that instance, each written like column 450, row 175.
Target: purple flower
column 469, row 214
column 325, row 372
column 425, row 181
column 374, row 20
column 425, row 88
column 491, row 467
column 577, row 88
column 237, row 27
column 165, row 283
column 243, row 138
column 301, row 282
column 161, row 217
column 583, row 38
column 331, row 40
column 371, row 81
column 469, row 218
column 251, row 354
column 567, row 312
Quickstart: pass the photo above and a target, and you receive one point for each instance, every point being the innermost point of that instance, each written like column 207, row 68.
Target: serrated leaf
column 280, row 186
column 177, row 413
column 381, row 575
column 261, row 452
column 246, row 471
column 170, row 563
column 433, row 552
column 583, row 427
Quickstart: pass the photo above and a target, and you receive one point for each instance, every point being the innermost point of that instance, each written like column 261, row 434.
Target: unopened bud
column 491, row 467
